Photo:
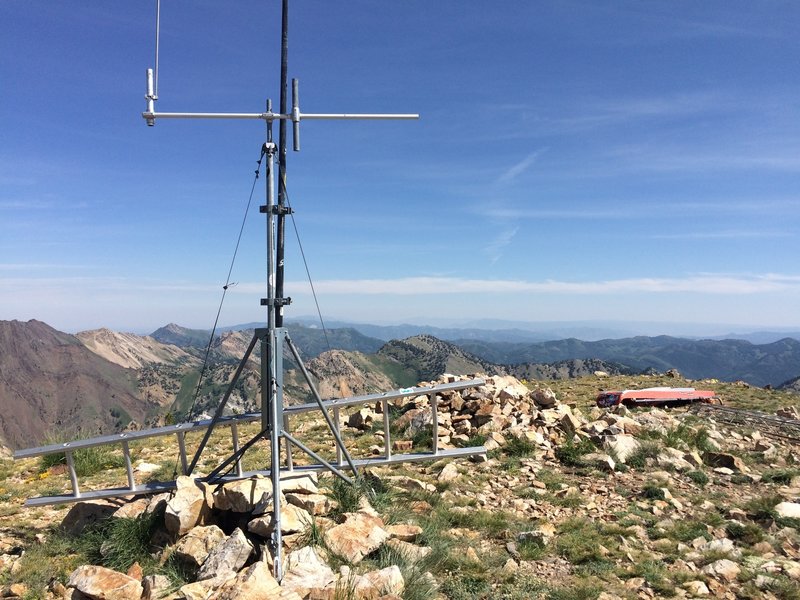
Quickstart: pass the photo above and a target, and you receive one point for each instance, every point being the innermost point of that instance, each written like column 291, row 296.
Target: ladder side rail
column 393, row 395
column 116, row 438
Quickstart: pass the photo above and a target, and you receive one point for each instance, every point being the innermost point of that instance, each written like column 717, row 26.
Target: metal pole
column 282, row 163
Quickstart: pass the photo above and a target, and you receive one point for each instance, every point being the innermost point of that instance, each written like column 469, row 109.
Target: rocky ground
column 570, row 502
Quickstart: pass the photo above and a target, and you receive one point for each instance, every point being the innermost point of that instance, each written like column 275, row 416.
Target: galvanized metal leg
column 182, row 450
column 276, row 431
column 235, row 441
column 387, row 443
column 128, row 467
column 73, row 476
column 435, row 417
column 315, row 392
column 288, row 448
column 337, row 420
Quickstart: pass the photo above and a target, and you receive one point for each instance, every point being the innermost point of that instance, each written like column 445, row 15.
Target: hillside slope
column 51, row 385
column 132, row 351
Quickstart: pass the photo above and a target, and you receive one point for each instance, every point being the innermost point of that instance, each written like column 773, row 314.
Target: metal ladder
column 180, row 430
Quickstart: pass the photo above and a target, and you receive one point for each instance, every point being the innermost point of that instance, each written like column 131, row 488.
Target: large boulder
column 229, row 555
column 357, row 537
column 187, row 507
column 254, row 583
column 306, row 572
column 245, row 496
column 100, row 583
column 194, row 548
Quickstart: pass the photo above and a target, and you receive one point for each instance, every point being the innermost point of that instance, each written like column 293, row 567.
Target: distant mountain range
column 56, row 384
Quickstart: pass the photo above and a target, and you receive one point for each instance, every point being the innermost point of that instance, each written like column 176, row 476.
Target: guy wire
column 305, row 264
column 224, row 292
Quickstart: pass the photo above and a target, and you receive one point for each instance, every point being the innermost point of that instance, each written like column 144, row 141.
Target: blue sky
column 615, row 161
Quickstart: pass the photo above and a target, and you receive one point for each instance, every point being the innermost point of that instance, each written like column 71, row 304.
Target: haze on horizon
column 574, row 162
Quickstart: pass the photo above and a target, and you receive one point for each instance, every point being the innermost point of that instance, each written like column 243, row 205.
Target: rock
column 186, row 508
column 544, row 397
column 388, row 581
column 696, row 588
column 448, row 473
column 727, row 461
column 410, row 552
column 254, row 583
column 404, row 532
column 299, row 483
column 230, row 555
column 362, row 419
column 788, row 510
column 357, row 537
column 410, row 484
column 105, row 584
column 570, row 424
column 306, row 572
column 723, row 568
column 599, row 460
column 402, row 446
column 621, row 446
column 245, row 496
column 293, row 520
column 155, row 586
column 135, row 571
column 83, row 514
column 315, row 504
column 721, row 546
column 672, row 458
column 195, row 546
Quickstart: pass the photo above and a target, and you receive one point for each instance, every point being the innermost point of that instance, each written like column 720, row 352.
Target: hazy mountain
column 759, row 364
column 181, row 336
column 399, row 332
column 52, row 386
column 507, row 331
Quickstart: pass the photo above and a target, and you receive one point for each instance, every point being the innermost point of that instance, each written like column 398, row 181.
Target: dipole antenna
column 274, row 336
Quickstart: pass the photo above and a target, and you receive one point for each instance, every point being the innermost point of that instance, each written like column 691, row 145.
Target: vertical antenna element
column 158, row 36
column 295, row 116
column 151, row 98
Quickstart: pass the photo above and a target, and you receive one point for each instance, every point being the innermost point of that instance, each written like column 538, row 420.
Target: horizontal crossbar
column 155, row 488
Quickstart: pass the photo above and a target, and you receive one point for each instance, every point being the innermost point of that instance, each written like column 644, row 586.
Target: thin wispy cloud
column 721, row 235
column 626, row 210
column 496, row 247
column 515, row 170
column 697, row 284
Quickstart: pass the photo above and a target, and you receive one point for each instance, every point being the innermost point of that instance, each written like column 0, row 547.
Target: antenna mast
column 274, row 337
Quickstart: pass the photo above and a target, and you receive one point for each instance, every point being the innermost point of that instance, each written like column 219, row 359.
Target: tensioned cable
column 227, row 283
column 305, row 264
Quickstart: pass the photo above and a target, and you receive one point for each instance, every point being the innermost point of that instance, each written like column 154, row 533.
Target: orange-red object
column 658, row 396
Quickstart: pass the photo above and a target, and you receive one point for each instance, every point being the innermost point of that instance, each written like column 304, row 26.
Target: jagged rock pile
column 500, row 408
column 239, row 564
